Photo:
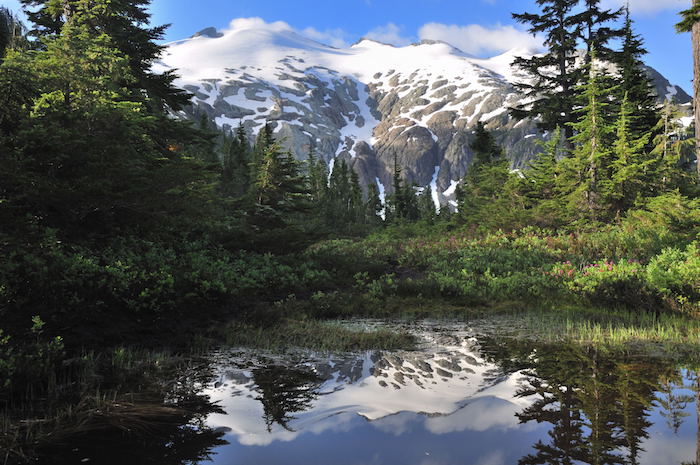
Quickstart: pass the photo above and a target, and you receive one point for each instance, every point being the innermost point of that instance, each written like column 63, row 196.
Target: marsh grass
column 318, row 335
column 127, row 390
column 670, row 333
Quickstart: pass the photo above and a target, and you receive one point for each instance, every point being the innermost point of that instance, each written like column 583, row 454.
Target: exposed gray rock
column 419, row 118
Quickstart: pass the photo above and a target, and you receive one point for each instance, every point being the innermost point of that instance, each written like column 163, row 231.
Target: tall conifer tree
column 264, row 140
column 487, row 175
column 373, row 205
column 596, row 32
column 126, row 22
column 630, row 166
column 589, row 168
column 551, row 95
column 671, row 147
column 634, row 81
column 12, row 32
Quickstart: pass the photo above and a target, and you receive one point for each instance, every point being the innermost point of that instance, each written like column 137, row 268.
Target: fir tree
column 264, row 140
column 206, row 148
column 318, row 178
column 426, row 205
column 630, row 166
column 551, row 94
column 339, row 193
column 543, row 170
column 125, row 22
column 280, row 187
column 236, row 163
column 356, row 204
column 227, row 165
column 411, row 211
column 483, row 185
column 12, row 32
column 596, row 34
column 484, row 145
column 588, row 171
column 373, row 205
column 241, row 159
column 671, row 144
column 634, row 82
column 92, row 156
column 535, row 188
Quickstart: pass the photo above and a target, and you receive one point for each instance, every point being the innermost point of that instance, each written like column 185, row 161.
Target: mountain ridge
column 366, row 104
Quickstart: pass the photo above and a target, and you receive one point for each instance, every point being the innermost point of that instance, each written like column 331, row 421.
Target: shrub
column 676, row 272
column 608, row 283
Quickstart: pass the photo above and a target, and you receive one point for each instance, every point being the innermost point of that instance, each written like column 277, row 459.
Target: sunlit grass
column 602, row 327
column 318, row 335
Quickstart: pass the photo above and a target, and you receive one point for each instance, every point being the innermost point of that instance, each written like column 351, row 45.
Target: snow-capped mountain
column 367, row 103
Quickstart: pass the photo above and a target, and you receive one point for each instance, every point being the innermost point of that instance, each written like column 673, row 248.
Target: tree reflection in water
column 597, row 401
column 285, row 391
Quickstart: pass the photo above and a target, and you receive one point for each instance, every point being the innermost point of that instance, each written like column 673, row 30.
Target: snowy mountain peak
column 367, row 104
column 210, row 32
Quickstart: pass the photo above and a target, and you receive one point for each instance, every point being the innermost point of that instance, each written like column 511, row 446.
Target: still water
column 462, row 399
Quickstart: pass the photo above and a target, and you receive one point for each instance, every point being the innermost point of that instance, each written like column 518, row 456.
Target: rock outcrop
column 368, row 104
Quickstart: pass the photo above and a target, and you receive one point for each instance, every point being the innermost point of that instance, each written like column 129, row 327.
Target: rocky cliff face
column 366, row 104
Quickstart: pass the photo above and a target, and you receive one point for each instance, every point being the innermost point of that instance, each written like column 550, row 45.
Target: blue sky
column 479, row 27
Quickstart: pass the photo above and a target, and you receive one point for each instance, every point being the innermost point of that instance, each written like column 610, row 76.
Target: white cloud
column 476, row 39
column 258, row 23
column 649, row 6
column 333, row 37
column 389, row 34
column 339, row 38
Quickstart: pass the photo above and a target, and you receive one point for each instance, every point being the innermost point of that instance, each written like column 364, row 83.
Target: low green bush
column 606, row 282
column 676, row 273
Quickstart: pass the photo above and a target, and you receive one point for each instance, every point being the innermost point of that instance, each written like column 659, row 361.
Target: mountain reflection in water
column 462, row 400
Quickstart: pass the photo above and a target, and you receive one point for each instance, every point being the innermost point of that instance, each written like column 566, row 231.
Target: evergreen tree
column 538, row 184
column 373, row 205
column 587, row 173
column 339, row 193
column 551, row 94
column 630, row 166
column 264, row 140
column 396, row 203
column 426, row 205
column 596, row 34
column 280, row 186
column 356, row 204
column 206, row 147
column 47, row 17
column 543, row 171
column 227, row 165
column 241, row 159
column 411, row 211
column 670, row 146
column 484, row 145
column 125, row 22
column 634, row 82
column 12, row 32
column 236, row 163
column 483, row 185
column 91, row 157
column 318, row 178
